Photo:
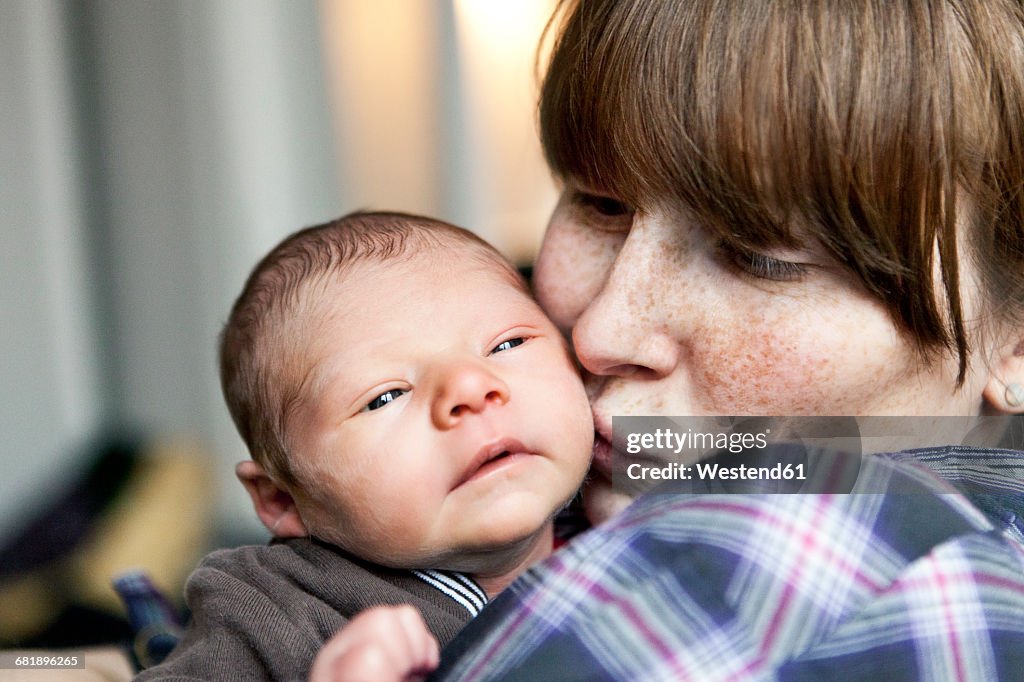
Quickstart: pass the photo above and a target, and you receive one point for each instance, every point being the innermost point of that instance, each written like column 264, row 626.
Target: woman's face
column 667, row 321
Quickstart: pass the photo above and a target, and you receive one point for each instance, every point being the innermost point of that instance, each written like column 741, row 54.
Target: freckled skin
column 658, row 321
column 662, row 327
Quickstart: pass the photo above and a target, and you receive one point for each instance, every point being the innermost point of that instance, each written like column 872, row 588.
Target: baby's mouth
column 491, row 457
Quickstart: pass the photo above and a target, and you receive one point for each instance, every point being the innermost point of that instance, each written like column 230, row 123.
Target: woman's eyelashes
column 383, row 399
column 762, row 267
column 606, row 213
column 602, row 211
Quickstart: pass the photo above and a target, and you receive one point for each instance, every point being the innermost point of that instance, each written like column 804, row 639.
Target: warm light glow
column 383, row 63
column 431, row 125
column 506, row 28
column 497, row 46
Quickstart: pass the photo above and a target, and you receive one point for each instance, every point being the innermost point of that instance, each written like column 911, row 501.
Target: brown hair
column 263, row 358
column 872, row 127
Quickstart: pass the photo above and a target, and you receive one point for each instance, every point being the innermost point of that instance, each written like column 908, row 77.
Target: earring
column 1014, row 395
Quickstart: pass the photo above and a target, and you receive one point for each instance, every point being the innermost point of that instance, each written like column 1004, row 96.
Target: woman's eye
column 603, row 211
column 764, row 267
column 383, row 399
column 508, row 345
column 604, row 205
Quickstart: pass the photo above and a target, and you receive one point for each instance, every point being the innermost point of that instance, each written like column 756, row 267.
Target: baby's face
column 444, row 419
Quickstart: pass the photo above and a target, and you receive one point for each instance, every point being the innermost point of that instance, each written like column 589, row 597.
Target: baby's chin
column 497, row 552
column 601, row 502
column 483, row 553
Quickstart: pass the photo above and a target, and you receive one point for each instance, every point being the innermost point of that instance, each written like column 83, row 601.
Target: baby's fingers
column 383, row 643
column 421, row 645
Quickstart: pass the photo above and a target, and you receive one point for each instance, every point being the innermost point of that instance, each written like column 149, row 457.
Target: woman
column 797, row 208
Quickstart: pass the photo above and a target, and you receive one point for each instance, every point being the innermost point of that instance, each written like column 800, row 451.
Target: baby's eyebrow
column 322, row 378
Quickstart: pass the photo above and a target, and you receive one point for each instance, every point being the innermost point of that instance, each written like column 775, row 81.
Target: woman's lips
column 491, row 457
column 603, row 453
column 607, row 458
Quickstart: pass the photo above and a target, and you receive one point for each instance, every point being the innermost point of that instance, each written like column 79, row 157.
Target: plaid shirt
column 909, row 581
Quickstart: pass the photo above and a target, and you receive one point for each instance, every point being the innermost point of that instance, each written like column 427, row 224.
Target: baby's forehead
column 452, row 259
column 362, row 291
column 343, row 323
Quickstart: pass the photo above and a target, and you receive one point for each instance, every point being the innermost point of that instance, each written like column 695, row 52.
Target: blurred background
column 151, row 153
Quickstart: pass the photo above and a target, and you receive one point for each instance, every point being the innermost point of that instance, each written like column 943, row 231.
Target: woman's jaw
column 600, row 500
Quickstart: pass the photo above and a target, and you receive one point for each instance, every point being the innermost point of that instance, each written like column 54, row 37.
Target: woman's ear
column 273, row 504
column 1005, row 388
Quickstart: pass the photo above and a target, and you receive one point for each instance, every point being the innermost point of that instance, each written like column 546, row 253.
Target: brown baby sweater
column 263, row 612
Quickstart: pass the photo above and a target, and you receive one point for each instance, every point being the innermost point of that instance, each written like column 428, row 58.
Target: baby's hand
column 383, row 643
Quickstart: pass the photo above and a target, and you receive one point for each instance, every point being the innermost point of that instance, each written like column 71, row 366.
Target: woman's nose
column 629, row 328
column 465, row 388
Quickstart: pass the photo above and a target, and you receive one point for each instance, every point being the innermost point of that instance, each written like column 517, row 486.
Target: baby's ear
column 1005, row 389
column 273, row 504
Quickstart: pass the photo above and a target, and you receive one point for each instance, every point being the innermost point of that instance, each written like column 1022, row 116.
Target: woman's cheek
column 772, row 367
column 571, row 269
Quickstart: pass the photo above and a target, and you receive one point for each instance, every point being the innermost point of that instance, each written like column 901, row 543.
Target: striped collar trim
column 456, row 586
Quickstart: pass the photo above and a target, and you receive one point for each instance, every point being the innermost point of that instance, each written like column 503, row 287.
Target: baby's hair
column 873, row 128
column 262, row 359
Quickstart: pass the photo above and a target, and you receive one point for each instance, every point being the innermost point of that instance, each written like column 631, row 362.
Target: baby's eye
column 760, row 266
column 508, row 345
column 383, row 399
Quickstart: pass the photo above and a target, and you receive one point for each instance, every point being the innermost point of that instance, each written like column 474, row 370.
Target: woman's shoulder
column 955, row 613
column 989, row 479
column 862, row 582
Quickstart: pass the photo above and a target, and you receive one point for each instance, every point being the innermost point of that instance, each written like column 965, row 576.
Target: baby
column 415, row 422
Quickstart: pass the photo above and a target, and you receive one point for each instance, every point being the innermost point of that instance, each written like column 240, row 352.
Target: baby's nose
column 466, row 389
